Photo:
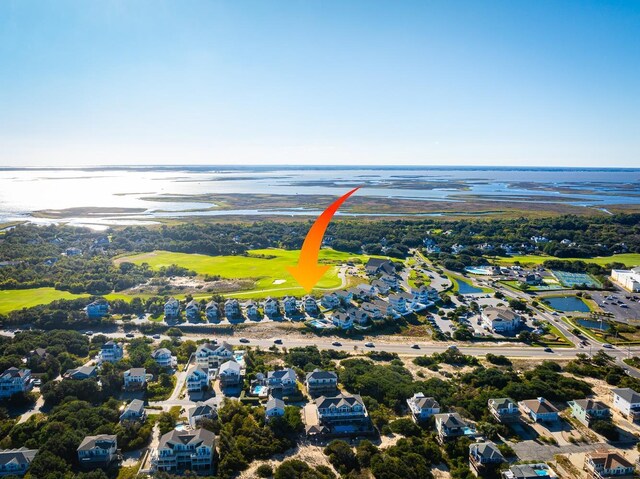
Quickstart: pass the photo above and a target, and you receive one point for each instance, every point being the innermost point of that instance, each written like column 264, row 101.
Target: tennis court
column 571, row 280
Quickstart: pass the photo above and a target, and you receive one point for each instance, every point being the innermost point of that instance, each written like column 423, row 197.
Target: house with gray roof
column 343, row 414
column 627, row 402
column 588, row 410
column 15, row 381
column 16, row 462
column 530, row 471
column 450, row 426
column 200, row 412
column 283, row 381
column 134, row 411
column 180, row 451
column 229, row 374
column 321, row 383
column 83, row 372
column 274, row 408
column 98, row 451
column 421, row 407
column 484, row 455
column 504, row 409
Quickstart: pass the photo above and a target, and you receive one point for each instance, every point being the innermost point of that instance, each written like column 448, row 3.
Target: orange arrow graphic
column 308, row 272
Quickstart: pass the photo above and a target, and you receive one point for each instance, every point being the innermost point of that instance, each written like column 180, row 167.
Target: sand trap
column 279, row 281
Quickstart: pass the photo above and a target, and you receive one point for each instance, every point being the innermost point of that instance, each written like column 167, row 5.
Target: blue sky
column 320, row 82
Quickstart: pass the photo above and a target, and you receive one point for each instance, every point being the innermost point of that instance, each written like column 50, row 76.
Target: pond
column 568, row 303
column 466, row 288
column 592, row 324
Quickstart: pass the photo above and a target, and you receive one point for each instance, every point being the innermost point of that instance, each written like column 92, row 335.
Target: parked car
column 156, row 336
column 244, row 340
column 89, row 333
column 277, row 341
column 370, row 345
column 129, row 335
column 415, row 346
column 336, row 343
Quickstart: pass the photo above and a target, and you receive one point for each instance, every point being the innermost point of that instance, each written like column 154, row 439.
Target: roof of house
column 500, row 403
column 286, row 373
column 18, row 456
column 136, row 372
column 487, row 450
column 338, row 401
column 609, row 459
column 193, row 304
column 229, row 367
column 274, row 403
column 591, row 405
column 16, row 373
column 136, row 406
column 195, row 437
column 161, row 352
column 83, row 371
column 200, row 370
column 500, row 314
column 321, row 374
column 201, row 409
column 171, row 301
column 539, row 406
column 451, row 419
column 627, row 394
column 211, row 304
column 524, row 471
column 424, row 402
column 90, row 442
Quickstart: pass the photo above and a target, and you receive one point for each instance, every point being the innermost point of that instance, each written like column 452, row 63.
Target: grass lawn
column 266, row 266
column 12, row 299
column 629, row 259
column 456, row 279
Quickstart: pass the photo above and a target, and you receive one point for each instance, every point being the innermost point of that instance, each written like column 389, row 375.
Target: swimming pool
column 479, row 270
column 260, row 390
column 316, row 323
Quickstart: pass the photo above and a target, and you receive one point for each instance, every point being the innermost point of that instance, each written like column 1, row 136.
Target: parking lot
column 624, row 310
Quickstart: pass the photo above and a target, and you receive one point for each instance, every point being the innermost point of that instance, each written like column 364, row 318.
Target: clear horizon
column 460, row 84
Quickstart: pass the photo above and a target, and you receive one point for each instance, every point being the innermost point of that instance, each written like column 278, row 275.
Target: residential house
column 422, row 408
column 484, row 455
column 171, row 309
column 425, row 295
column 251, row 310
column 627, row 402
column 135, row 378
column 390, row 280
column 192, row 311
column 232, row 309
column 73, row 251
column 180, row 451
column 450, row 426
column 271, row 307
column 98, row 451
column 200, row 412
column 290, row 305
column 134, row 411
column 111, row 352
column 539, row 410
column 364, row 291
column 358, row 315
column 83, row 372
column 198, row 380
column 229, row 374
column 500, row 320
column 385, row 308
column 97, row 309
column 504, row 409
column 274, row 408
column 330, row 301
column 283, row 381
column 342, row 413
column 380, row 286
column 588, row 410
column 15, row 381
column 601, row 464
column 345, row 296
column 533, row 279
column 321, row 383
column 378, row 265
column 164, row 358
column 342, row 320
column 529, row 471
column 212, row 311
column 212, row 355
column 404, row 303
column 310, row 305
column 38, row 354
column 16, row 462
column 372, row 310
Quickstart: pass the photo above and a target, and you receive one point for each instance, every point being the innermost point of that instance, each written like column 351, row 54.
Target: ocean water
column 141, row 192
